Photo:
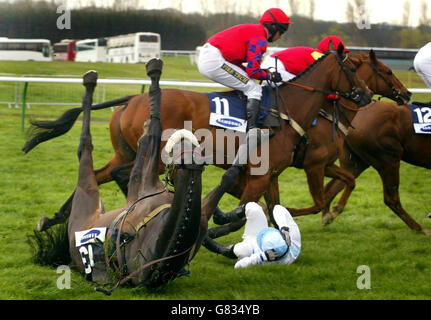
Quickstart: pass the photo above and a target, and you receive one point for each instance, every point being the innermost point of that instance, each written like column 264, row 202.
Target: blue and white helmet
column 271, row 238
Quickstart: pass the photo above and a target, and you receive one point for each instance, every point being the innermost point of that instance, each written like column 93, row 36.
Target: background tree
column 406, row 13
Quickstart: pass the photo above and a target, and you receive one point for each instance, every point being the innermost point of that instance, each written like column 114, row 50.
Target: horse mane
column 311, row 66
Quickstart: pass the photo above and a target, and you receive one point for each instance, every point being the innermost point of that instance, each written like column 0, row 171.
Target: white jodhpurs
column 422, row 63
column 214, row 66
column 256, row 221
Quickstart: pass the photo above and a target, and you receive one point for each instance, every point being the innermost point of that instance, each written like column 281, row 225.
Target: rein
column 396, row 93
column 123, row 217
column 136, row 272
column 146, row 219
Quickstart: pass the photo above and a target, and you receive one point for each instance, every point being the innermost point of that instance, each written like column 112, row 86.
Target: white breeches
column 422, row 64
column 214, row 66
column 256, row 221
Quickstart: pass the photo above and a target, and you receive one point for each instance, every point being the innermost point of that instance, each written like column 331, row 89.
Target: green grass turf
column 367, row 233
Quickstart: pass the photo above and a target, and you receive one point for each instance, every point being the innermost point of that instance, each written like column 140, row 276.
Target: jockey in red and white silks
column 422, row 63
column 221, row 58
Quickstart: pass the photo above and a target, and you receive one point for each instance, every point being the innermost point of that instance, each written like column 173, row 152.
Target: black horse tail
column 50, row 247
column 41, row 131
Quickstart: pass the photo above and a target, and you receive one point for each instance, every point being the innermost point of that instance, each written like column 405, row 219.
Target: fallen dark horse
column 153, row 237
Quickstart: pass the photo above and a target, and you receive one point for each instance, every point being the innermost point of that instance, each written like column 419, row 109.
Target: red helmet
column 324, row 44
column 274, row 16
column 275, row 20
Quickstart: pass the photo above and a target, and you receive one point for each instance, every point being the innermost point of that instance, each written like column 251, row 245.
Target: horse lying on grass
column 158, row 231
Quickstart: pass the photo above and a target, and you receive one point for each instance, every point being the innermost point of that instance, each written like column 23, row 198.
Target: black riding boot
column 252, row 113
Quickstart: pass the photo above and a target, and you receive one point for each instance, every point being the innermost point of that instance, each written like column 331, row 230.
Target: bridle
column 396, row 93
column 122, row 217
column 334, row 97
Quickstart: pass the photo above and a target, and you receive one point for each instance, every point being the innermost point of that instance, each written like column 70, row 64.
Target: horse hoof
column 429, row 215
column 90, row 78
column 426, row 232
column 154, row 67
column 43, row 224
column 335, row 211
column 327, row 219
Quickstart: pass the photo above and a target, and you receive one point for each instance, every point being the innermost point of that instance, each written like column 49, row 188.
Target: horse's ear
column 340, row 49
column 373, row 57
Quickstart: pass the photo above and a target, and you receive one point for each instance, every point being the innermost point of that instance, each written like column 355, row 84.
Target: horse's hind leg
column 390, row 178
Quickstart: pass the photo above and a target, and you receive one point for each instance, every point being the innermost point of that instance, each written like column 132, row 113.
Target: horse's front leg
column 272, row 197
column 209, row 205
column 315, row 177
column 222, row 218
column 254, row 188
column 251, row 192
column 349, row 163
column 348, row 179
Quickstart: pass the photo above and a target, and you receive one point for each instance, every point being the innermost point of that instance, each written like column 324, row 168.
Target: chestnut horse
column 317, row 157
column 303, row 96
column 383, row 136
column 322, row 147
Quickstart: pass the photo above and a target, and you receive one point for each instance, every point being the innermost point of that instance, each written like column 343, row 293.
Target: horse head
column 347, row 82
column 380, row 77
column 171, row 239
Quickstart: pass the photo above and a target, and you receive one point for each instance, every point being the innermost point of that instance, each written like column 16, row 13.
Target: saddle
column 228, row 109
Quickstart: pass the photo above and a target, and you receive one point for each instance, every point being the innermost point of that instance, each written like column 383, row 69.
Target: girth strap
column 295, row 125
column 329, row 117
column 152, row 214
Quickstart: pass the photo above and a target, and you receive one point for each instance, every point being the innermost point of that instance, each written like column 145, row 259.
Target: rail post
column 24, row 98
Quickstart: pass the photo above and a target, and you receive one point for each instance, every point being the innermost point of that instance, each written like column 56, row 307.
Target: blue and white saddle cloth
column 421, row 114
column 228, row 109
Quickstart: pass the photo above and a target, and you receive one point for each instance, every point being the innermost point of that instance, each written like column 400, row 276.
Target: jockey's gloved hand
column 286, row 235
column 275, row 77
column 271, row 255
